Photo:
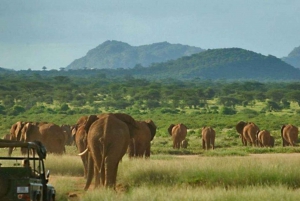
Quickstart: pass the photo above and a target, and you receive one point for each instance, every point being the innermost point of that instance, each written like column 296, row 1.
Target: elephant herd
column 53, row 137
column 178, row 133
column 102, row 140
column 250, row 133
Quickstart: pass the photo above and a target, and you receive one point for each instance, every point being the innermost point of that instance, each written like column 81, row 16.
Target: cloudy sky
column 53, row 33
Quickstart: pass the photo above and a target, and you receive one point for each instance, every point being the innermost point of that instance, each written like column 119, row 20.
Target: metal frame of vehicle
column 18, row 183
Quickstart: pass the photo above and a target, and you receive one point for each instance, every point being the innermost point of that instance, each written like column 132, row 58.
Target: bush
column 227, row 111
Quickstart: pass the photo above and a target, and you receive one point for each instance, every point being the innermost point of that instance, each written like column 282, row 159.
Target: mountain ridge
column 115, row 54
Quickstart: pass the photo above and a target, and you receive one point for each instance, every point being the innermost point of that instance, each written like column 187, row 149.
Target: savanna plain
column 229, row 172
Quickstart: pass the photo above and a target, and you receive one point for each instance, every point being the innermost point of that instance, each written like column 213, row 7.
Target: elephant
column 247, row 131
column 264, row 139
column 6, row 137
column 79, row 136
column 107, row 141
column 184, row 143
column 178, row 133
column 49, row 134
column 208, row 137
column 289, row 135
column 68, row 134
column 15, row 134
column 140, row 144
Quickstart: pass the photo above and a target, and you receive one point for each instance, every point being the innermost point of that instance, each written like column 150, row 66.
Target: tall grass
column 166, row 177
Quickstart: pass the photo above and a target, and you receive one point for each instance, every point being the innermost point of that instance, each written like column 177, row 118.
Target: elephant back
column 129, row 120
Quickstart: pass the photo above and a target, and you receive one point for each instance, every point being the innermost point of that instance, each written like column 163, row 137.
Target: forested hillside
column 293, row 58
column 115, row 54
column 229, row 64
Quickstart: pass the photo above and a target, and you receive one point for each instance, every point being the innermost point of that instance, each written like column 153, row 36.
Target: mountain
column 115, row 54
column 293, row 58
column 227, row 63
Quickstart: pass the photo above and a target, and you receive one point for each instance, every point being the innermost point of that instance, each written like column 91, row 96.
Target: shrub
column 227, row 111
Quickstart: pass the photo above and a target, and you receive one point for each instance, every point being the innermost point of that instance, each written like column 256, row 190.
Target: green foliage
column 227, row 111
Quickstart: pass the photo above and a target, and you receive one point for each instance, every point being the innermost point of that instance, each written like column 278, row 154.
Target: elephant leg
column 213, row 143
column 147, row 151
column 203, row 143
column 111, row 168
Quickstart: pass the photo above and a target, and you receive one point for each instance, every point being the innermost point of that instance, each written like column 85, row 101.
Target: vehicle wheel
column 4, row 185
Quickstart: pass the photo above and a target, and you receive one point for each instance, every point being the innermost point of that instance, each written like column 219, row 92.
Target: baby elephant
column 264, row 139
column 184, row 143
column 208, row 137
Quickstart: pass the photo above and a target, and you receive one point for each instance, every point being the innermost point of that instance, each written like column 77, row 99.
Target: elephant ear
column 129, row 120
column 152, row 128
column 89, row 122
column 240, row 126
column 170, row 129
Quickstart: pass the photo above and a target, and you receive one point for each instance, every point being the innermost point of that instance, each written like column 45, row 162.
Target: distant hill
column 115, row 54
column 228, row 64
column 293, row 58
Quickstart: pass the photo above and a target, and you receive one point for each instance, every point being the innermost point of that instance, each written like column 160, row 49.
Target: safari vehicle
column 24, row 183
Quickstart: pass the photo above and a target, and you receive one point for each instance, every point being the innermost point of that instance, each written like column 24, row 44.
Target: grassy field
column 186, row 177
column 230, row 172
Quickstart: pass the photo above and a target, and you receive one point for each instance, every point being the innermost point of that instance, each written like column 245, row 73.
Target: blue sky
column 53, row 33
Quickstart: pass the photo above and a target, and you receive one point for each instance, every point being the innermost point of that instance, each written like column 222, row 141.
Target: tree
column 44, row 68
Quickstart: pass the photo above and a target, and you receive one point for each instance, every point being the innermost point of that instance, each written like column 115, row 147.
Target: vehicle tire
column 4, row 185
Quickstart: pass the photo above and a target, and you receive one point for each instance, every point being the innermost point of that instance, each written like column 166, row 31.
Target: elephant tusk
column 84, row 152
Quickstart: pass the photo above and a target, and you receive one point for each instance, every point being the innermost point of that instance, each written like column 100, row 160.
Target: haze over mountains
column 164, row 60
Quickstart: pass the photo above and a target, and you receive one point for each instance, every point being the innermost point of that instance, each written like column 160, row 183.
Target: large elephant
column 264, row 139
column 178, row 133
column 208, row 137
column 140, row 144
column 248, row 132
column 107, row 141
column 289, row 135
column 49, row 134
column 79, row 135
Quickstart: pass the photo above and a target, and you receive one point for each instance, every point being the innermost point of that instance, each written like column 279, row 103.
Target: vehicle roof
column 36, row 145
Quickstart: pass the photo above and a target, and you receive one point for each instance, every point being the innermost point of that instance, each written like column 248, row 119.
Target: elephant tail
column 84, row 152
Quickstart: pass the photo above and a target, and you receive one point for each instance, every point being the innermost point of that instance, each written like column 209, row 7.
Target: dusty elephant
column 178, row 133
column 289, row 135
column 184, row 143
column 208, row 137
column 79, row 136
column 49, row 134
column 140, row 144
column 247, row 131
column 107, row 142
column 264, row 139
